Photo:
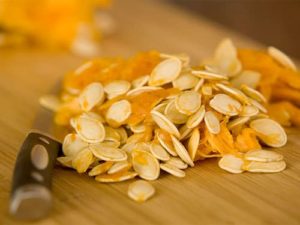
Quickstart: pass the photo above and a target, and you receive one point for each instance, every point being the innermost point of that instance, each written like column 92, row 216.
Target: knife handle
column 30, row 193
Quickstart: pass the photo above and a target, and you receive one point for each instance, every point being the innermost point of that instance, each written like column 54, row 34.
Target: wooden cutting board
column 207, row 195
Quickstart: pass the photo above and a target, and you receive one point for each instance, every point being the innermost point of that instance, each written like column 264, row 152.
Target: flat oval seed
column 185, row 132
column 89, row 130
column 166, row 141
column 73, row 144
column 100, row 169
column 234, row 92
column 281, row 58
column 225, row 104
column 83, row 160
column 164, row 123
column 225, row 50
column 249, row 110
column 266, row 167
column 92, row 95
column 263, row 156
column 212, row 123
column 209, row 75
column 111, row 134
column 196, row 118
column 161, row 107
column 174, row 115
column 142, row 146
column 93, row 115
column 175, row 161
column 159, row 152
column 140, row 191
column 123, row 134
column 188, row 102
column 171, row 169
column 141, row 90
column 65, row 161
column 139, row 128
column 141, row 81
column 237, row 122
column 185, row 81
column 252, row 93
column 108, row 153
column 118, row 113
column 116, row 177
column 248, row 77
column 199, row 84
column 270, row 132
column 184, row 58
column 231, row 163
column 194, row 143
column 117, row 88
column 257, row 105
column 165, row 72
column 145, row 164
column 119, row 166
column 181, row 151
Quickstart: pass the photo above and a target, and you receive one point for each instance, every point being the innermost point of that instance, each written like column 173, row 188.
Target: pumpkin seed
column 175, row 161
column 231, row 163
column 117, row 88
column 282, row 58
column 253, row 93
column 118, row 113
column 119, row 166
column 140, row 191
column 165, row 72
column 100, row 169
column 108, row 153
column 164, row 123
column 173, row 114
column 173, row 170
column 212, row 123
column 185, row 82
column 247, row 77
column 73, row 144
column 145, row 164
column 225, row 104
column 159, row 152
column 263, row 156
column 140, row 82
column 193, row 143
column 92, row 95
column 265, row 167
column 196, row 118
column 181, row 151
column 270, row 132
column 82, row 161
column 89, row 130
column 116, row 177
column 188, row 102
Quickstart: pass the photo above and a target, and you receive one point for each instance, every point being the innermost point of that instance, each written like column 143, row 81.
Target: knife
column 31, row 187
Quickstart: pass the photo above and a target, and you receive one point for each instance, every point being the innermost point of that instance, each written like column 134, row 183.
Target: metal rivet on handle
column 39, row 157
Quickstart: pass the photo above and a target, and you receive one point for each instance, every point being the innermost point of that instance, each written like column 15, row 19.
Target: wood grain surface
column 207, row 195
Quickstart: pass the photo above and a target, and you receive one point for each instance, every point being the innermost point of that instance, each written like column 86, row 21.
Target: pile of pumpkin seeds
column 110, row 149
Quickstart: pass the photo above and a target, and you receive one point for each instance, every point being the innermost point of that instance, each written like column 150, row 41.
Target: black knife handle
column 30, row 194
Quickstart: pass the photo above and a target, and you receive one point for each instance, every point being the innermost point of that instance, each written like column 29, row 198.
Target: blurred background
column 80, row 25
column 271, row 22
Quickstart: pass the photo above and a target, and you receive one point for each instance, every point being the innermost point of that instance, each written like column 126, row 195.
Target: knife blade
column 31, row 196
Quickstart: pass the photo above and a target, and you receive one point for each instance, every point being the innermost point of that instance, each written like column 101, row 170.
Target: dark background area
column 271, row 22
